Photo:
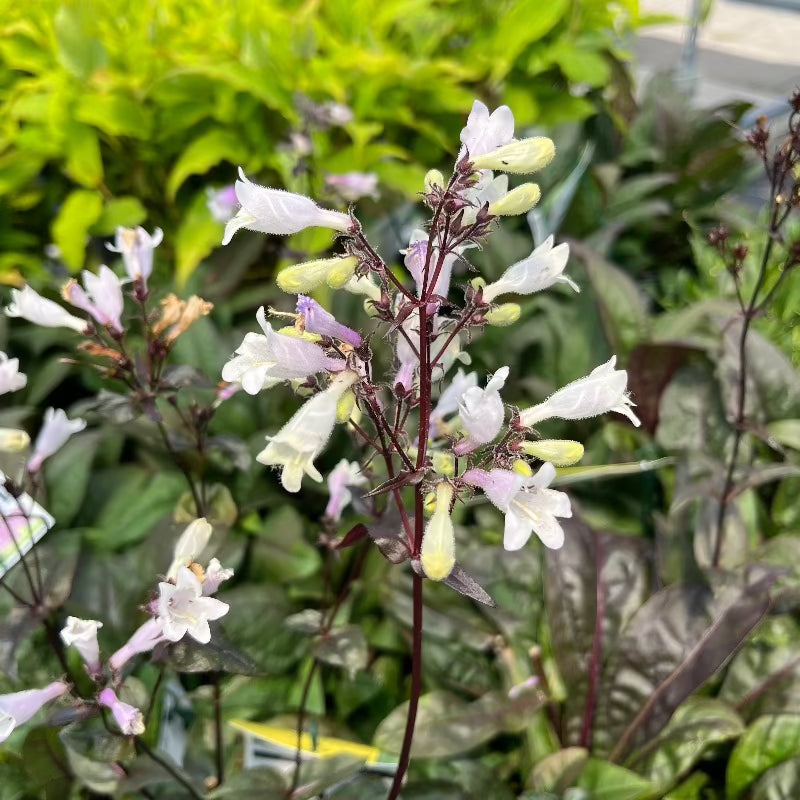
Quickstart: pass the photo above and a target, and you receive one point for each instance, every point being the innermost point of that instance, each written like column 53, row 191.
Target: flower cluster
column 469, row 439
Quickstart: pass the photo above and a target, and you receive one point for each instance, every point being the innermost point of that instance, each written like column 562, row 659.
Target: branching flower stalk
column 782, row 170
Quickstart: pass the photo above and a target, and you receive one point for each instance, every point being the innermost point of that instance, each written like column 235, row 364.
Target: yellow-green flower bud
column 504, row 315
column 438, row 554
column 521, row 467
column 433, row 178
column 559, row 452
column 520, row 157
column 296, row 333
column 302, row 278
column 429, row 503
column 477, row 283
column 444, row 464
column 518, row 201
column 13, row 440
column 345, row 406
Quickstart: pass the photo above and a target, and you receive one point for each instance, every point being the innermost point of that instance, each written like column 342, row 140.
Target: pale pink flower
column 136, row 246
column 215, row 575
column 17, row 708
column 183, row 609
column 53, row 434
column 82, row 635
column 11, row 379
column 144, row 639
column 101, row 297
column 352, row 186
column 128, row 717
column 343, row 476
column 30, row 305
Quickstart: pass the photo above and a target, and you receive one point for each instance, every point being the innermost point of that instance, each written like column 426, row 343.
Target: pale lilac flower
column 128, row 717
column 344, row 475
column 603, row 390
column 317, row 320
column 438, row 553
column 144, row 639
column 264, row 360
column 540, row 270
column 183, row 609
column 215, row 575
column 482, row 412
column 222, row 203
column 305, row 435
column 190, row 545
column 528, row 504
column 415, row 256
column 485, row 132
column 55, row 431
column 352, row 186
column 101, row 297
column 18, row 707
column 136, row 246
column 11, row 379
column 82, row 635
column 279, row 212
column 30, row 305
column 451, row 397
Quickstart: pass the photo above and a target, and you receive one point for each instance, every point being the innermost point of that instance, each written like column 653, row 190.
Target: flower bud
column 295, row 333
column 129, row 718
column 559, row 452
column 519, row 157
column 444, row 464
column 504, row 315
column 438, row 554
column 345, row 406
column 433, row 178
column 518, row 201
column 299, row 278
column 520, row 467
column 13, row 440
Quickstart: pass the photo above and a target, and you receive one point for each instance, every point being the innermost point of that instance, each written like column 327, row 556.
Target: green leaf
column 786, row 432
column 566, row 476
column 84, row 163
column 127, row 212
column 77, row 50
column 67, row 472
column 282, row 554
column 344, row 647
column 769, row 741
column 46, row 764
column 260, row 783
column 219, row 655
column 559, row 770
column 206, row 152
column 779, row 783
column 80, row 211
column 114, row 114
column 448, row 726
column 197, row 236
column 606, row 781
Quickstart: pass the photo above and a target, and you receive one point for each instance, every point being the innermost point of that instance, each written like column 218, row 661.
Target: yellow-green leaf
column 84, row 164
column 204, row 153
column 70, row 229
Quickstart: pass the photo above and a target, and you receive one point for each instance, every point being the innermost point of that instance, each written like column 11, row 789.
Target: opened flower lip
column 528, row 504
column 482, row 413
column 279, row 212
column 55, row 431
column 317, row 320
column 82, row 635
column 18, row 707
column 11, row 379
column 344, row 475
column 540, row 270
column 451, row 396
column 603, row 390
column 190, row 545
column 101, row 297
column 485, row 132
column 263, row 360
column 305, row 435
column 183, row 609
column 136, row 247
column 30, row 305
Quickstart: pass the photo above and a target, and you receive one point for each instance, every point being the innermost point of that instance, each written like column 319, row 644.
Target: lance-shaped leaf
column 353, row 536
column 595, row 583
column 398, row 482
column 219, row 655
column 779, row 783
column 344, row 647
column 670, row 648
column 465, row 584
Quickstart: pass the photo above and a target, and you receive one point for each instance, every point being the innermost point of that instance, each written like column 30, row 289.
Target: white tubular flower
column 82, row 635
column 144, row 639
column 337, row 272
column 183, row 609
column 30, row 305
column 128, row 717
column 101, row 297
column 603, row 390
column 485, row 132
column 55, row 431
column 17, row 708
column 540, row 270
column 215, row 576
column 264, row 360
column 344, row 475
column 451, row 397
column 528, row 504
column 482, row 412
column 190, row 544
column 13, row 440
column 136, row 246
column 280, row 212
column 438, row 553
column 518, row 157
column 11, row 379
column 305, row 435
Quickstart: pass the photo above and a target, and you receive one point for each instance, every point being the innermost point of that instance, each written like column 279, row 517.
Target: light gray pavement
column 745, row 51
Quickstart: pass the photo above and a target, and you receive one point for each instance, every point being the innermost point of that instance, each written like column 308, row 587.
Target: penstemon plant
column 426, row 438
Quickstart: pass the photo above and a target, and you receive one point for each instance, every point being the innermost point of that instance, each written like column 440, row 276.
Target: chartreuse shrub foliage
column 113, row 113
